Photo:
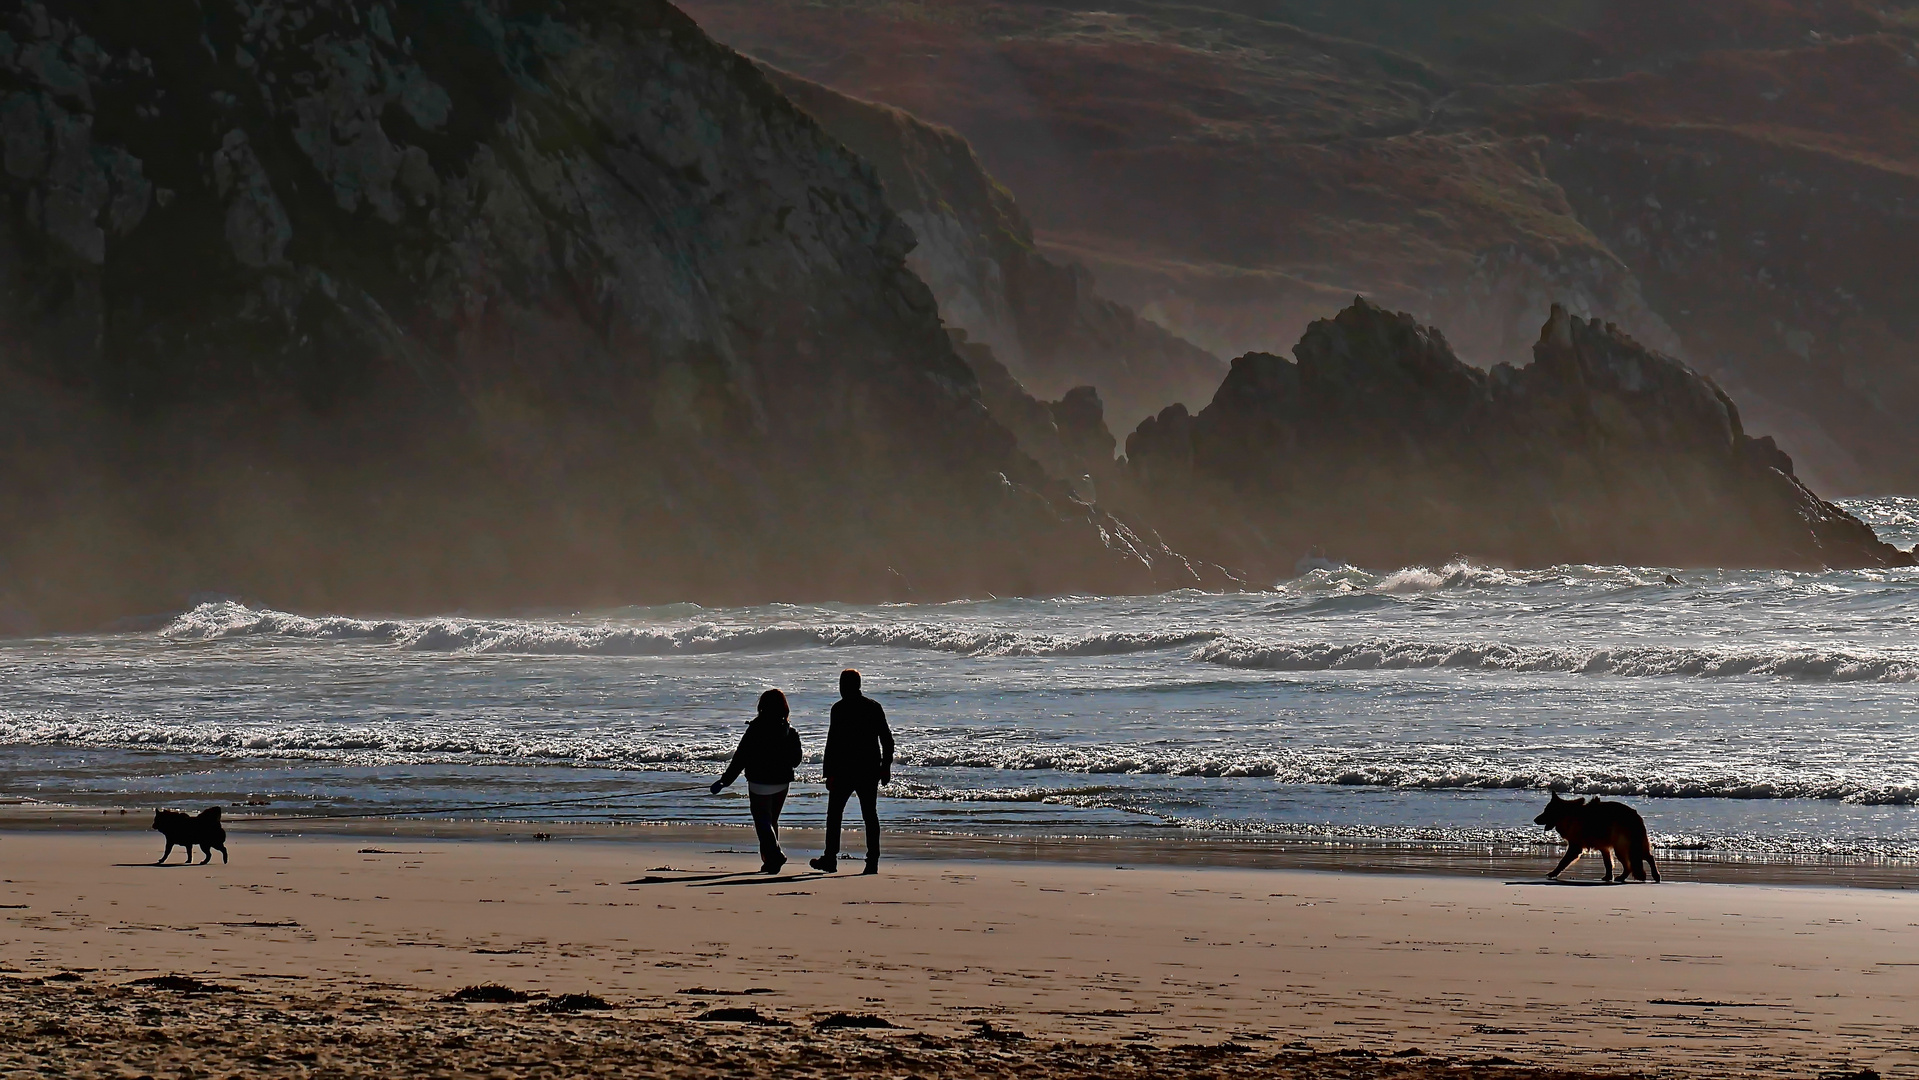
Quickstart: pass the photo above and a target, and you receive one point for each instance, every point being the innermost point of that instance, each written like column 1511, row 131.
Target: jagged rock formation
column 358, row 305
column 1068, row 438
column 1384, row 448
column 1730, row 182
column 1043, row 319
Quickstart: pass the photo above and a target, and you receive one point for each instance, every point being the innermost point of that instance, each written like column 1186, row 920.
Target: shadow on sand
column 752, row 877
column 1572, row 884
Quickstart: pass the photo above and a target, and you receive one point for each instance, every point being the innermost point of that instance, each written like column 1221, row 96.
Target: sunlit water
column 1745, row 711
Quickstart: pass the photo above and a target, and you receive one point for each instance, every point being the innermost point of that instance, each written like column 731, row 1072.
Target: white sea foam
column 931, row 756
column 1640, row 661
column 221, row 621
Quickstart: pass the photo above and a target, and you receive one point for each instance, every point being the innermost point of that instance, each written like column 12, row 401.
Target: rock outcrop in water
column 1383, row 448
column 350, row 305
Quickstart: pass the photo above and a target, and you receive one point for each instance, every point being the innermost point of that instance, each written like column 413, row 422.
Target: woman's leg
column 766, row 822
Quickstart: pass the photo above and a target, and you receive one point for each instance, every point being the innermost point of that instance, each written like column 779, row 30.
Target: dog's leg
column 1572, row 852
column 206, row 854
column 165, row 855
column 1650, row 865
column 223, row 855
column 1605, row 855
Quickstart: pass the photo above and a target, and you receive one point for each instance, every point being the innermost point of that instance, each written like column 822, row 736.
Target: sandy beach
column 342, row 947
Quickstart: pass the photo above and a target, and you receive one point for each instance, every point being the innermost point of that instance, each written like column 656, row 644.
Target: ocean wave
column 227, row 621
column 1625, row 661
column 1333, row 771
column 1462, row 576
column 366, row 744
column 956, row 765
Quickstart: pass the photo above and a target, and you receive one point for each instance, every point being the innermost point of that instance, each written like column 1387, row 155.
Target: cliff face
column 1042, row 318
column 1381, row 446
column 1729, row 182
column 354, row 305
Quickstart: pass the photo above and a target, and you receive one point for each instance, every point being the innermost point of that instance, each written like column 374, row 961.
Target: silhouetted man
column 859, row 758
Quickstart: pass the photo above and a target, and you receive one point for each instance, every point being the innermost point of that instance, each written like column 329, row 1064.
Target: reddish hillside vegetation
column 1730, row 182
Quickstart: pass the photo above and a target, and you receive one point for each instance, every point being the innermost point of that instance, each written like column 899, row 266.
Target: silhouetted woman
column 768, row 753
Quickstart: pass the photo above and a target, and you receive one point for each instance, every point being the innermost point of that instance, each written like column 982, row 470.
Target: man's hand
column 886, row 774
column 718, row 787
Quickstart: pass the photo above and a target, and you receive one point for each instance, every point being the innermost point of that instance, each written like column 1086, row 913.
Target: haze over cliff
column 354, row 305
column 1729, row 182
column 1043, row 319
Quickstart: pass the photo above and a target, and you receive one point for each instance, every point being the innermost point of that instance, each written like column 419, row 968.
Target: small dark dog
column 202, row 830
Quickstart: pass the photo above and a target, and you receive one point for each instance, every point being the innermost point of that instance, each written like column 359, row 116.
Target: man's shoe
column 774, row 866
column 872, row 867
column 825, row 864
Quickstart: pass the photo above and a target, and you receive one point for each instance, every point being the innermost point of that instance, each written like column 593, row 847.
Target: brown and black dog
column 1609, row 827
column 202, row 830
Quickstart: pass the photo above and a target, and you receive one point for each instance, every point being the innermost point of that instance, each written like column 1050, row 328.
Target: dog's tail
column 1642, row 844
column 211, row 813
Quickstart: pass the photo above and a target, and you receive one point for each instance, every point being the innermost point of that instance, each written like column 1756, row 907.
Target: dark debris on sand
column 102, row 1031
column 984, row 1029
column 184, row 984
column 852, row 1020
column 747, row 1015
column 486, row 994
column 571, row 1003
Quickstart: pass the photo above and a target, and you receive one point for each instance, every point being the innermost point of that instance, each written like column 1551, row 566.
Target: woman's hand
column 718, row 787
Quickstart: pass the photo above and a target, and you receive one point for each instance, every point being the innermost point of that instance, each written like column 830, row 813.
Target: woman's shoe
column 774, row 866
column 825, row 864
column 872, row 867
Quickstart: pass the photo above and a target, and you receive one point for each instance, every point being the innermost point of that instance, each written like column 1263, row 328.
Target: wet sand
column 340, row 947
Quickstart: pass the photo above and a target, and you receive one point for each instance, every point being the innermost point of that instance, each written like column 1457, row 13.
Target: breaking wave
column 390, row 742
column 1626, row 661
column 227, row 620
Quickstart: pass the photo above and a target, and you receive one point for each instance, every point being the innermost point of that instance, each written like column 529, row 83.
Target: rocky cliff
column 1382, row 447
column 1043, row 318
column 1730, row 182
column 358, row 305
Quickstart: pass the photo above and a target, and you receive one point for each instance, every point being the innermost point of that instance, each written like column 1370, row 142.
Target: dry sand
column 1695, row 979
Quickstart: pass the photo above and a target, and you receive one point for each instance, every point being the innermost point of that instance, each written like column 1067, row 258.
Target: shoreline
column 345, row 950
column 1174, row 849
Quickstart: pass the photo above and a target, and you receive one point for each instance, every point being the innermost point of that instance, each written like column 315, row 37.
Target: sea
column 1752, row 713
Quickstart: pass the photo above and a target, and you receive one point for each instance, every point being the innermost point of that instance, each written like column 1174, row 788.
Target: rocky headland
column 351, row 305
column 1378, row 445
column 1043, row 318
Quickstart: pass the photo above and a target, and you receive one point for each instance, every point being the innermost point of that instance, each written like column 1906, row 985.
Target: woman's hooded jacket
column 768, row 753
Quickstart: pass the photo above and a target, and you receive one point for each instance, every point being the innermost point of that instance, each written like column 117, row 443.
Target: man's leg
column 870, row 809
column 835, row 807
